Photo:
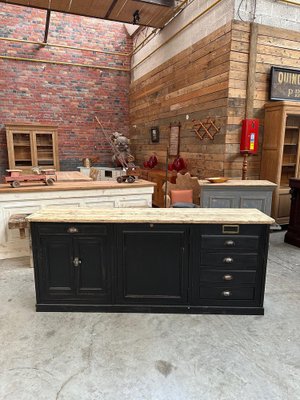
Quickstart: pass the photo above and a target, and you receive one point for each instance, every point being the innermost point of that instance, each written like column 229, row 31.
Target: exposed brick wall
column 66, row 96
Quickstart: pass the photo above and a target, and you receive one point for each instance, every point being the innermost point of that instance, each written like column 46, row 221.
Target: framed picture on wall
column 174, row 139
column 154, row 132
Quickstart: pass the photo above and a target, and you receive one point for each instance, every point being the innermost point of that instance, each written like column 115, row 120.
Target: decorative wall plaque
column 207, row 127
column 285, row 84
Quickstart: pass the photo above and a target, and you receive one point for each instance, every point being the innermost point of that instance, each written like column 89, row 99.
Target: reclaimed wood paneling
column 209, row 79
column 194, row 83
column 274, row 47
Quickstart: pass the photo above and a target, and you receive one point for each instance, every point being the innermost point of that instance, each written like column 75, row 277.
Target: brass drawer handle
column 226, row 293
column 229, row 243
column 230, row 229
column 228, row 277
column 228, row 260
column 72, row 229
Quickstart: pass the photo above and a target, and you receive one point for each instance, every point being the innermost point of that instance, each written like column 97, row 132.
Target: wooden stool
column 18, row 221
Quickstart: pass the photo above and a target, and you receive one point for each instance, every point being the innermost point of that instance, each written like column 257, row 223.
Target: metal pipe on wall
column 64, row 46
column 64, row 63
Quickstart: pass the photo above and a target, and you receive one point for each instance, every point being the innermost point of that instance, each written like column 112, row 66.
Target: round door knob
column 228, row 260
column 227, row 277
column 229, row 243
column 226, row 293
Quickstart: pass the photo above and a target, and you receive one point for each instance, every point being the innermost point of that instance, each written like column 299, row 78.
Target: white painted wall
column 267, row 12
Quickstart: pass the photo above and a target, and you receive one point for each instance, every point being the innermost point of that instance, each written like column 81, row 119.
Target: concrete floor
column 76, row 356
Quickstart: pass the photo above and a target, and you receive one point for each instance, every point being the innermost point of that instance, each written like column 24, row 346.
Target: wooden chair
column 183, row 183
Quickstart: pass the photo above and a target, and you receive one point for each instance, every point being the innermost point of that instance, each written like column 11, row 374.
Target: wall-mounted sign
column 285, row 84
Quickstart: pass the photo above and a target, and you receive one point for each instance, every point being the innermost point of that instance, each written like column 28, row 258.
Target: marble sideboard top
column 153, row 215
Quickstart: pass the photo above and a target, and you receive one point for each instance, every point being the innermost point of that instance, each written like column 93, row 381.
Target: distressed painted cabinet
column 237, row 194
column 75, row 263
column 166, row 260
column 152, row 264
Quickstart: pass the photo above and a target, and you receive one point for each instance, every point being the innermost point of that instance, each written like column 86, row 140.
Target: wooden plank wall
column 278, row 47
column 209, row 79
column 193, row 83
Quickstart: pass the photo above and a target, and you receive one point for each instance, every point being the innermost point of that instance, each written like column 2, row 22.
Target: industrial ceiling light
column 136, row 17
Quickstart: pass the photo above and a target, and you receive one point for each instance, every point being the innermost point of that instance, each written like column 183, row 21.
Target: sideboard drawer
column 232, row 229
column 72, row 229
column 229, row 260
column 224, row 293
column 228, row 277
column 229, row 242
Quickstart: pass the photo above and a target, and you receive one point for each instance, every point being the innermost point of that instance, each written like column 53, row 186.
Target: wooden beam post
column 251, row 83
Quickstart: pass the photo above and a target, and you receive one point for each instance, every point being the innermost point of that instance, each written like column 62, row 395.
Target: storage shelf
column 280, row 160
column 35, row 144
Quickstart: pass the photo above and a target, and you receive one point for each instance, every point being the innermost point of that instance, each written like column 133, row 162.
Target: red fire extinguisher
column 249, row 137
column 249, row 141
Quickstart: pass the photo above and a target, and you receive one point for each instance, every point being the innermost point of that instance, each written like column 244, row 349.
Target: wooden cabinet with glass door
column 32, row 146
column 281, row 153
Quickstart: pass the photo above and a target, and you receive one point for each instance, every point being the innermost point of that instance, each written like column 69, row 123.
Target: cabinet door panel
column 153, row 265
column 57, row 271
column 94, row 268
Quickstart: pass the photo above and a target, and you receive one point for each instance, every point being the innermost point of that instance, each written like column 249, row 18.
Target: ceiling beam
column 112, row 6
column 165, row 3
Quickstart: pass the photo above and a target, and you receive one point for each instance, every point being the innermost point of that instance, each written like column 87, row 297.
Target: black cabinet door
column 92, row 268
column 152, row 264
column 56, row 271
column 74, row 266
